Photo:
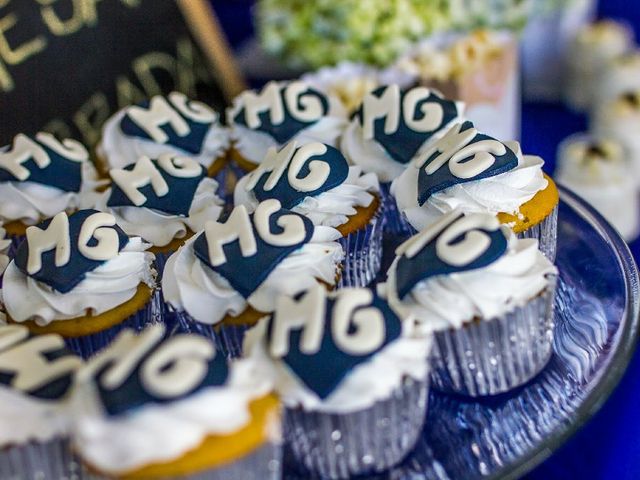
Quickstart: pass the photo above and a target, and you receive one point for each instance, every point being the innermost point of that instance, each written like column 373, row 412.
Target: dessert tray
column 596, row 329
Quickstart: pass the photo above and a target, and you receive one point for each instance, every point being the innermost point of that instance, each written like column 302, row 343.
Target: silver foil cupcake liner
column 546, row 232
column 263, row 464
column 87, row 345
column 358, row 443
column 394, row 221
column 227, row 338
column 50, row 460
column 489, row 357
column 363, row 253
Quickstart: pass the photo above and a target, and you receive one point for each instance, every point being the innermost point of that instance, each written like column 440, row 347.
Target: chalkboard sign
column 67, row 65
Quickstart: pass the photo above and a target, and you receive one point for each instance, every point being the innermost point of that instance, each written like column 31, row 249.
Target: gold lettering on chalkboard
column 14, row 55
column 145, row 65
column 58, row 128
column 127, row 93
column 60, row 27
column 91, row 116
column 191, row 67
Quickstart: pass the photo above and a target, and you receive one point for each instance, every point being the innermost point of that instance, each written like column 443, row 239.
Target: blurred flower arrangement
column 311, row 34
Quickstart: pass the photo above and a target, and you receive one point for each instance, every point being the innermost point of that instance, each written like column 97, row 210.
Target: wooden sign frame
column 206, row 29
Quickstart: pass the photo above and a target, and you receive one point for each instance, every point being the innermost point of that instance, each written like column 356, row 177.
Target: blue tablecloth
column 608, row 447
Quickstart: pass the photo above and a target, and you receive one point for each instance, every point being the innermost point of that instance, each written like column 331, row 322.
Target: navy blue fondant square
column 443, row 178
column 177, row 202
column 246, row 274
column 191, row 143
column 427, row 264
column 61, row 172
column 404, row 143
column 132, row 395
column 65, row 278
column 289, row 196
column 286, row 130
column 56, row 387
column 323, row 371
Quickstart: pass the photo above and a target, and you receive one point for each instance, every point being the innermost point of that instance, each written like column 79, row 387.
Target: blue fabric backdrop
column 608, row 447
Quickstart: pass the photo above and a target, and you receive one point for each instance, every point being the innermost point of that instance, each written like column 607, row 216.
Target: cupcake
column 40, row 177
column 277, row 114
column 389, row 130
column 350, row 82
column 315, row 180
column 149, row 407
column 164, row 201
column 619, row 119
column 621, row 74
column 473, row 172
column 587, row 59
column 226, row 278
column 599, row 171
column 82, row 277
column 353, row 383
column 36, row 374
column 173, row 124
column 487, row 297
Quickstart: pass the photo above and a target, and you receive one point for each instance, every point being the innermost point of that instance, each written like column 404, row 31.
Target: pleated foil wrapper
column 363, row 253
column 50, row 460
column 489, row 357
column 88, row 345
column 394, row 221
column 228, row 339
column 263, row 464
column 546, row 232
column 364, row 442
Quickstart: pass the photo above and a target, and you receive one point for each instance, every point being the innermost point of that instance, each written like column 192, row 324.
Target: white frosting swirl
column 160, row 228
column 25, row 419
column 190, row 285
column 373, row 380
column 505, row 192
column 254, row 144
column 600, row 172
column 162, row 433
column 120, row 150
column 331, row 208
column 31, row 202
column 449, row 301
column 108, row 286
column 372, row 157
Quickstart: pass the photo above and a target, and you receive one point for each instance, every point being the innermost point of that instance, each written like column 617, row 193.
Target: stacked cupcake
column 602, row 165
column 226, row 319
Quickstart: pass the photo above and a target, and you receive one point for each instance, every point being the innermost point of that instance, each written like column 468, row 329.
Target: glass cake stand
column 596, row 329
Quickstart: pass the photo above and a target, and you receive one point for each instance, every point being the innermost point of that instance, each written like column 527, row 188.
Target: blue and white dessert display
column 279, row 113
column 600, row 171
column 316, row 181
column 36, row 376
column 475, row 173
column 390, row 129
column 230, row 274
column 164, row 200
column 485, row 295
column 154, row 405
column 82, row 277
column 41, row 176
column 353, row 379
column 173, row 124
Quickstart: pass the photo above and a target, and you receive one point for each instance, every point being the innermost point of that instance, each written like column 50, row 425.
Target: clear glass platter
column 596, row 330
